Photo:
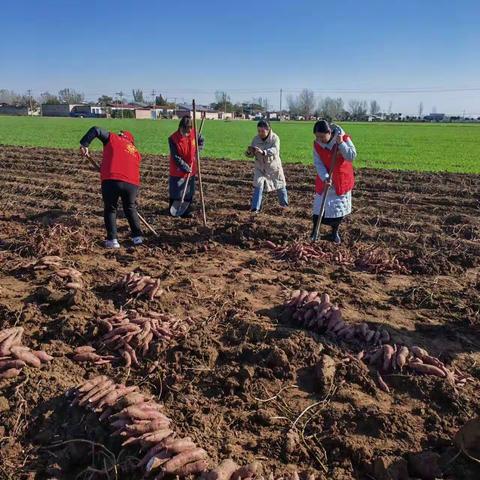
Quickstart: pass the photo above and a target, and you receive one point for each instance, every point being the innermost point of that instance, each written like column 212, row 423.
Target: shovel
column 326, row 189
column 179, row 207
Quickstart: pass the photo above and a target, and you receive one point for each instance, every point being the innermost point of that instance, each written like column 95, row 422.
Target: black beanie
column 263, row 124
column 322, row 126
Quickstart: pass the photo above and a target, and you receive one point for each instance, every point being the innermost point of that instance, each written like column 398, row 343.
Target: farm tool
column 97, row 167
column 326, row 189
column 179, row 207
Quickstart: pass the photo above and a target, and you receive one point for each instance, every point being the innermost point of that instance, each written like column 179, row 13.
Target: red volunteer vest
column 343, row 178
column 186, row 150
column 121, row 161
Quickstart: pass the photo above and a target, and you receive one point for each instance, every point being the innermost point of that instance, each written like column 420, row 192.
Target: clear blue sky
column 248, row 48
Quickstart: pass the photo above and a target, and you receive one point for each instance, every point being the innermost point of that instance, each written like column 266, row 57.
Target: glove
column 184, row 166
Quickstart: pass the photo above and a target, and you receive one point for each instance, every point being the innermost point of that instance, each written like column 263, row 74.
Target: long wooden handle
column 326, row 189
column 197, row 153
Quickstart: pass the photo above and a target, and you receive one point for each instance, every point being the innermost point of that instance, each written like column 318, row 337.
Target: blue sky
column 354, row 49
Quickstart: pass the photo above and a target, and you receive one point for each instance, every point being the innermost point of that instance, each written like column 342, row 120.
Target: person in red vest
column 183, row 163
column 120, row 177
column 339, row 198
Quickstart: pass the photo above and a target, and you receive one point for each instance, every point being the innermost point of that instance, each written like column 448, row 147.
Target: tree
column 331, row 109
column 160, row 101
column 263, row 103
column 357, row 108
column 306, row 102
column 375, row 108
column 222, row 102
column 49, row 99
column 138, row 95
column 221, row 97
column 68, row 95
column 293, row 107
column 420, row 110
column 105, row 100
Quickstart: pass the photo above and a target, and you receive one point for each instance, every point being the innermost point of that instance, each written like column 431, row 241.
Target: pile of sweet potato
column 139, row 422
column 71, row 276
column 300, row 251
column 315, row 311
column 373, row 260
column 14, row 356
column 396, row 358
column 139, row 285
column 129, row 336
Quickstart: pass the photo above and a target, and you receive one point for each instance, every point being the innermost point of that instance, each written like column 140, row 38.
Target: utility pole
column 29, row 93
column 281, row 93
column 120, row 96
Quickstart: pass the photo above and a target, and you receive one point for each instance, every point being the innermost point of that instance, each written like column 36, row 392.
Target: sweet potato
column 247, row 471
column 7, row 364
column 42, row 356
column 148, row 439
column 85, row 349
column 141, row 414
column 388, row 352
column 10, row 373
column 184, row 458
column 301, row 298
column 432, row 361
column 97, row 388
column 148, row 427
column 112, row 397
column 28, row 357
column 427, row 369
column 101, row 394
column 89, row 384
column 401, row 357
column 155, row 450
column 7, row 343
column 8, row 332
column 384, row 336
column 86, row 357
column 369, row 336
column 310, row 297
column 192, row 468
column 224, row 471
column 418, row 351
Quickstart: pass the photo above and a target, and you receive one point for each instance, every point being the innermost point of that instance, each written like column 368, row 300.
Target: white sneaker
column 137, row 240
column 112, row 243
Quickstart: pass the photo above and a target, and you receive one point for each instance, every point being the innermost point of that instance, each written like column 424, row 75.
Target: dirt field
column 242, row 377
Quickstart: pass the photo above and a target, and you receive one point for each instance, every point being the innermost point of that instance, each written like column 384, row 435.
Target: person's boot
column 335, row 236
column 315, row 221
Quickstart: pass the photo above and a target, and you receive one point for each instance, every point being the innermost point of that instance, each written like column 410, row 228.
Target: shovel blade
column 178, row 208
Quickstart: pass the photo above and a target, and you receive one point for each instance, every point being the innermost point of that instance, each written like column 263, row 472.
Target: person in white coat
column 268, row 174
column 329, row 138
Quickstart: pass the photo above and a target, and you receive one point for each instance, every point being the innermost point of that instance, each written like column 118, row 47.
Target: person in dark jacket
column 120, row 177
column 183, row 165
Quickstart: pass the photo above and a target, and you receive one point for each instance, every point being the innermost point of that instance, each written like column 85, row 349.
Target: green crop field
column 422, row 147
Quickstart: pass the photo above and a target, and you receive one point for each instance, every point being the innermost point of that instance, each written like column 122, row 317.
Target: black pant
column 111, row 191
column 331, row 222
